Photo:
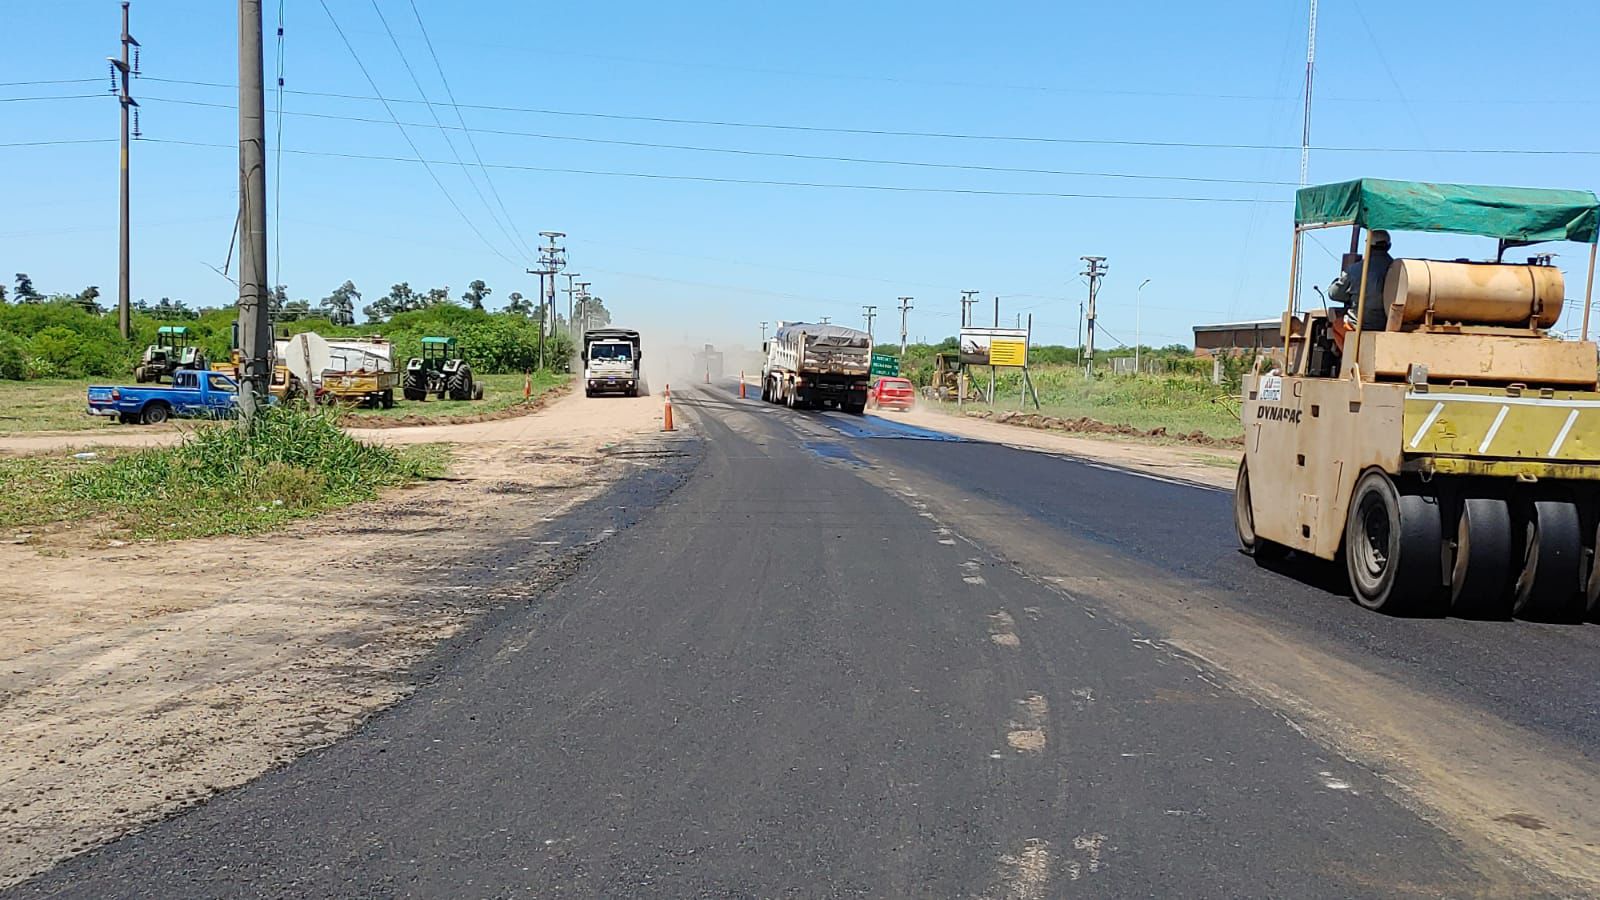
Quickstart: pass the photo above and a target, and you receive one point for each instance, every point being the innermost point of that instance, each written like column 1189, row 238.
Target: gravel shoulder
column 138, row 679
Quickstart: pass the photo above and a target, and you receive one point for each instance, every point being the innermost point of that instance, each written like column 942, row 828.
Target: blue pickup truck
column 193, row 394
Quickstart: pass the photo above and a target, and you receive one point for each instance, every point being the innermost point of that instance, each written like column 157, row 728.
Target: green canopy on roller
column 1510, row 214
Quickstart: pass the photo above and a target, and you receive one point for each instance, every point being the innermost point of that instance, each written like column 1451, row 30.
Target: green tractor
column 173, row 350
column 440, row 372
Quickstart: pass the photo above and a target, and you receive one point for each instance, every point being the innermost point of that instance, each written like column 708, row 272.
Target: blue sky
column 711, row 260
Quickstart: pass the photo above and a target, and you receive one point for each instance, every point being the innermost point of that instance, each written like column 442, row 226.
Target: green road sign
column 884, row 364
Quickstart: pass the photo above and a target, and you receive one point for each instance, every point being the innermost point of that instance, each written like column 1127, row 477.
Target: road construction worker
column 1375, row 316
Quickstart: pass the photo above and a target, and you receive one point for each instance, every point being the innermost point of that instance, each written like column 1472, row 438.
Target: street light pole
column 1138, row 296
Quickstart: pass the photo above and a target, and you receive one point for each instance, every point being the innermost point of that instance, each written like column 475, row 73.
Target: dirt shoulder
column 139, row 679
column 1212, row 466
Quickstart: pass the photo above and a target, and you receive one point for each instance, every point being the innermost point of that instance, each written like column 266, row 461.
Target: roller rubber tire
column 1244, row 521
column 1392, row 546
column 1550, row 585
column 1486, row 560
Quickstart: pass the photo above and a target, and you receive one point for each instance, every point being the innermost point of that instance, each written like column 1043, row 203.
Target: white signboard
column 1271, row 389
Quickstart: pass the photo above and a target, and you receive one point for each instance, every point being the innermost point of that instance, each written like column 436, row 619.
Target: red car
column 891, row 393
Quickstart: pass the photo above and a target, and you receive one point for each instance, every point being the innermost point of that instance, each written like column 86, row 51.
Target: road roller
column 1451, row 457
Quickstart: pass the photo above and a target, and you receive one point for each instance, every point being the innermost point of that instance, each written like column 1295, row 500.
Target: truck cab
column 611, row 358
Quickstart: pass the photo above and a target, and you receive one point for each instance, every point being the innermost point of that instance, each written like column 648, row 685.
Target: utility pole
column 583, row 300
column 1305, row 121
column 1095, row 271
column 124, row 68
column 870, row 312
column 571, row 310
column 549, row 264
column 763, row 335
column 827, row 320
column 1138, row 304
column 905, row 307
column 967, row 300
column 255, row 325
column 1080, row 335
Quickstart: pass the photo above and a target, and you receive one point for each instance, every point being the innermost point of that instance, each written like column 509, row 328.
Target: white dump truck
column 811, row 366
column 611, row 362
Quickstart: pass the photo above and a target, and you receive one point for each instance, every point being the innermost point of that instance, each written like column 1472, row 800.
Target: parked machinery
column 440, row 372
column 173, row 350
column 1451, row 455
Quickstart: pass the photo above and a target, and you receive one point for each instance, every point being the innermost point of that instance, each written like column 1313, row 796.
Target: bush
column 13, row 357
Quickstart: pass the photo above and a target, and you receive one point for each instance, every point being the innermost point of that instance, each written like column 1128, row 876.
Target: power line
column 707, row 179
column 61, row 97
column 944, row 135
column 61, row 142
column 412, row 144
column 764, row 153
column 511, row 220
column 417, row 83
column 49, row 81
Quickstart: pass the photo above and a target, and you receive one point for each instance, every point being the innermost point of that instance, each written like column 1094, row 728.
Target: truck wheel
column 1392, row 546
column 1480, row 580
column 154, row 413
column 1244, row 521
column 127, row 418
column 414, row 386
column 459, row 383
column 386, row 399
column 856, row 409
column 1550, row 585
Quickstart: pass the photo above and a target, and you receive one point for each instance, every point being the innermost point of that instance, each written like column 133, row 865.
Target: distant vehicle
column 890, row 392
column 439, row 371
column 173, row 350
column 709, row 361
column 611, row 362
column 812, row 366
column 193, row 394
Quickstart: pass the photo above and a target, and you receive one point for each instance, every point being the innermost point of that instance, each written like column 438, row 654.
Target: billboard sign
column 994, row 346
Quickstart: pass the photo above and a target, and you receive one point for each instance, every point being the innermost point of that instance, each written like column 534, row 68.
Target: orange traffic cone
column 666, row 414
column 741, row 384
column 527, row 386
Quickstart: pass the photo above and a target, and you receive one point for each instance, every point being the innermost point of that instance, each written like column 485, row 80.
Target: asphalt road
column 848, row 658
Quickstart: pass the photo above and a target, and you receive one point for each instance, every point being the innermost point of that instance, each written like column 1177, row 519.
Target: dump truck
column 611, row 362
column 812, row 366
column 1449, row 449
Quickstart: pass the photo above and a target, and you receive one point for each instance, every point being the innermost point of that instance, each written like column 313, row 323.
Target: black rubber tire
column 1486, row 560
column 386, row 399
column 414, row 386
column 1392, row 544
column 140, row 376
column 856, row 409
column 127, row 418
column 458, row 384
column 1550, row 585
column 587, row 392
column 1592, row 584
column 154, row 413
column 1244, row 521
column 477, row 389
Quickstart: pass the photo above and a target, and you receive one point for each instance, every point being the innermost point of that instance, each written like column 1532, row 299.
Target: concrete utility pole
column 905, row 307
column 1138, row 304
column 571, row 310
column 124, row 68
column 871, row 313
column 763, row 334
column 827, row 320
column 1305, row 121
column 583, row 298
column 1095, row 271
column 550, row 263
column 255, row 325
column 967, row 300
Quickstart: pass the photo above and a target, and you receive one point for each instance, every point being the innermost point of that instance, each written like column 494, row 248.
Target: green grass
column 219, row 480
column 499, row 392
column 48, row 405
column 1180, row 404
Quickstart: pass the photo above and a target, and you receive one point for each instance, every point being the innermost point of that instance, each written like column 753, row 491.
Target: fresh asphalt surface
column 787, row 681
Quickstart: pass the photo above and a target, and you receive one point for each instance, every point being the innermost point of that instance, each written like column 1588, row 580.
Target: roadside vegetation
column 500, row 393
column 219, row 480
column 1173, row 396
column 56, row 404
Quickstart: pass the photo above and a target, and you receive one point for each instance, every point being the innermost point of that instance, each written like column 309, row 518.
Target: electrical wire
column 412, row 144
column 50, row 81
column 945, row 135
column 449, row 93
column 61, row 142
column 764, row 153
column 707, row 179
column 417, row 82
column 61, row 97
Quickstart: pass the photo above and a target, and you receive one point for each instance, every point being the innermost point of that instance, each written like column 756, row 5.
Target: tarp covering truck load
column 1436, row 432
column 611, row 362
column 812, row 366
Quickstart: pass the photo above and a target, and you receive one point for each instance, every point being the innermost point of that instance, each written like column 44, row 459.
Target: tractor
column 440, row 372
column 172, row 351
